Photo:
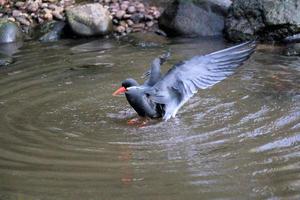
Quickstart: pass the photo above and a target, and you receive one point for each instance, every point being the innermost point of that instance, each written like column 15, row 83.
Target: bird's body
column 163, row 96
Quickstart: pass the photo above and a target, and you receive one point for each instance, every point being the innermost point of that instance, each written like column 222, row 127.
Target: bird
column 162, row 95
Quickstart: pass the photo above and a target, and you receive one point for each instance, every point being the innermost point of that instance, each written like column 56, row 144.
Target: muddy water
column 63, row 136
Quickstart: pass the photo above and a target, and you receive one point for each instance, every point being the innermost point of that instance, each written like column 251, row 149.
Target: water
column 63, row 136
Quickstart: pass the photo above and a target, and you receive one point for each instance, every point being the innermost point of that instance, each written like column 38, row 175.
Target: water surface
column 63, row 136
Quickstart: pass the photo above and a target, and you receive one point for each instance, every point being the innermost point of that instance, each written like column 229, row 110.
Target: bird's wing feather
column 184, row 79
column 153, row 74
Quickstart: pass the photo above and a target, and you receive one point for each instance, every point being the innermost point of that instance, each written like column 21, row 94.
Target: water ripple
column 63, row 136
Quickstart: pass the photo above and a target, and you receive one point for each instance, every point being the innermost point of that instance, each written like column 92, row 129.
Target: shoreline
column 127, row 16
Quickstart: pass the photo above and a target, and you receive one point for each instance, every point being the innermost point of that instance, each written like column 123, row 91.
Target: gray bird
column 163, row 95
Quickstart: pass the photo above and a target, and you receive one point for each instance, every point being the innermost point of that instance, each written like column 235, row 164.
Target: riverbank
column 127, row 16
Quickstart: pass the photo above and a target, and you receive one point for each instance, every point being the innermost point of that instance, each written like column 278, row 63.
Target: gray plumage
column 163, row 96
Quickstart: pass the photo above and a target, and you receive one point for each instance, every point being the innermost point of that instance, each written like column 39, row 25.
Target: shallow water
column 63, row 136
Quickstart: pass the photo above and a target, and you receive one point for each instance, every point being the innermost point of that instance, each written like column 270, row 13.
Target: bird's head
column 126, row 86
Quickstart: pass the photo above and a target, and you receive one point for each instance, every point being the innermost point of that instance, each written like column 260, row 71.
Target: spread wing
column 154, row 74
column 183, row 80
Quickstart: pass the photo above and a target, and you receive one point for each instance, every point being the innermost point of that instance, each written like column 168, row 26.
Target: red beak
column 121, row 90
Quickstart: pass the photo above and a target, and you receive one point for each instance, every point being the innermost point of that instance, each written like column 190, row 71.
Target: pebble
column 3, row 2
column 150, row 23
column 129, row 22
column 140, row 8
column 131, row 9
column 20, row 4
column 40, row 20
column 120, row 14
column 115, row 21
column 66, row 3
column 52, row 6
column 56, row 14
column 23, row 21
column 48, row 14
column 137, row 17
column 124, row 6
column 156, row 14
column 51, row 1
column 120, row 29
column 149, row 17
column 44, row 5
column 33, row 6
column 11, row 19
column 16, row 13
column 127, row 16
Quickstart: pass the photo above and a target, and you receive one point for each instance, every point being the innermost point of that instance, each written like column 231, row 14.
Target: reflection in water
column 63, row 136
column 10, row 48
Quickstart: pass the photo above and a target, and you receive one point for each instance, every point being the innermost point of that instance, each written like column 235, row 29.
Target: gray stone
column 89, row 19
column 131, row 9
column 194, row 18
column 22, row 20
column 54, row 31
column 120, row 14
column 32, row 6
column 16, row 13
column 9, row 32
column 263, row 19
column 292, row 39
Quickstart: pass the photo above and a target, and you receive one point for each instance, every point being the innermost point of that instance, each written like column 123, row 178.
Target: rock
column 33, row 6
column 12, row 19
column 120, row 14
column 9, row 32
column 52, row 7
column 3, row 2
column 120, row 29
column 156, row 14
column 137, row 17
column 54, row 31
column 194, row 18
column 124, row 6
column 131, row 9
column 20, row 4
column 140, row 6
column 57, row 15
column 129, row 22
column 262, row 19
column 44, row 5
column 150, row 23
column 67, row 3
column 127, row 16
column 22, row 20
column 89, row 19
column 292, row 39
column 138, row 27
column 51, row 1
column 48, row 15
column 149, row 17
column 16, row 13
